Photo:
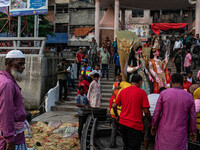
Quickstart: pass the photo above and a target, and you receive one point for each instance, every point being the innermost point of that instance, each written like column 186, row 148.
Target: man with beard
column 12, row 111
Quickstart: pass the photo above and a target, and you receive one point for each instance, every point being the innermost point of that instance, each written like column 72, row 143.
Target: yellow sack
column 198, row 121
column 123, row 85
column 196, row 94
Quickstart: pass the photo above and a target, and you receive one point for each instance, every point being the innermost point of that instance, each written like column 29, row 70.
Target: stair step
column 72, row 98
column 69, row 108
column 72, row 103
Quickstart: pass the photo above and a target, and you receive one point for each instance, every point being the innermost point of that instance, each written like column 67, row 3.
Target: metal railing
column 15, row 40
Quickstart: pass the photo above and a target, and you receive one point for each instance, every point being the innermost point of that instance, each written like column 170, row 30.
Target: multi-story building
column 59, row 16
column 81, row 22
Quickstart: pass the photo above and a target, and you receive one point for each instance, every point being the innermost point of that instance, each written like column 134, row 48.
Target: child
column 117, row 83
column 190, row 78
column 187, row 62
column 81, row 102
column 94, row 92
column 169, row 79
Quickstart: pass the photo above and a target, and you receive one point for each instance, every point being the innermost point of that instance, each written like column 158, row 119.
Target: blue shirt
column 81, row 99
column 116, row 59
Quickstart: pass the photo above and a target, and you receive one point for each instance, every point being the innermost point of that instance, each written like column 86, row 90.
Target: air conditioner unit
column 192, row 1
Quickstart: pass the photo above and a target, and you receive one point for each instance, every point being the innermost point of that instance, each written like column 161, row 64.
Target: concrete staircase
column 106, row 86
column 70, row 106
column 173, row 68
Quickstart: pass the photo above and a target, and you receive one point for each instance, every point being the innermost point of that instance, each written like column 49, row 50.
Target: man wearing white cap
column 12, row 111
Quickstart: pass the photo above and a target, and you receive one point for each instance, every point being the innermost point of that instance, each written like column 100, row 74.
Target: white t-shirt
column 153, row 98
column 189, row 79
column 178, row 44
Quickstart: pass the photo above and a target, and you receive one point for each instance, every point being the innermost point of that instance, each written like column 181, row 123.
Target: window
column 61, row 8
column 61, row 28
column 137, row 13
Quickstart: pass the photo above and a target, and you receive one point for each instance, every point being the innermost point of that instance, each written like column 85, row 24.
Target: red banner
column 156, row 27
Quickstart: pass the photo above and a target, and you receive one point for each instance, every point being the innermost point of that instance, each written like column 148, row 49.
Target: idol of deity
column 137, row 65
column 158, row 70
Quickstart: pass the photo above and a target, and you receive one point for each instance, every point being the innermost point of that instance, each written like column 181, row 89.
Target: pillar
column 116, row 21
column 147, row 16
column 197, row 18
column 160, row 16
column 181, row 16
column 123, row 19
column 97, row 20
column 190, row 21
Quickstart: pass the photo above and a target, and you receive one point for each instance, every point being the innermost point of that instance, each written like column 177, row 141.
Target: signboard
column 28, row 7
column 4, row 3
column 142, row 31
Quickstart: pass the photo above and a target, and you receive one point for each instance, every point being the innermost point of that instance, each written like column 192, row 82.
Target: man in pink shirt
column 12, row 111
column 187, row 62
column 170, row 119
column 198, row 76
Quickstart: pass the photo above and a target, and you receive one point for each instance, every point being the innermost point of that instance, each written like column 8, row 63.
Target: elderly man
column 12, row 111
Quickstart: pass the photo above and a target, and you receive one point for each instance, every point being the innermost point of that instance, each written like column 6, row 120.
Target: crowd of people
column 184, row 49
column 150, row 89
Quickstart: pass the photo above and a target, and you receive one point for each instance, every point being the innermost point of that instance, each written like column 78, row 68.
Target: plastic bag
column 70, row 131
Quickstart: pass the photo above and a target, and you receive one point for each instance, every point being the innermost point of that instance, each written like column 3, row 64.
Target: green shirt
column 105, row 57
column 61, row 76
column 177, row 58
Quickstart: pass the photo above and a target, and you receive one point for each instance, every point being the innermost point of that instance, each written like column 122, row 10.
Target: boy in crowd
column 190, row 78
column 83, row 83
column 82, row 103
column 116, row 86
column 186, row 83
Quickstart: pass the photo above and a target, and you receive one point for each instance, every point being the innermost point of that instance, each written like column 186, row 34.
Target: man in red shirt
column 133, row 101
column 83, row 83
column 79, row 57
column 186, row 83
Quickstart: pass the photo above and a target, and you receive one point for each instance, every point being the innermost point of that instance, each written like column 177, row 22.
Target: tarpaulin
column 156, row 27
column 82, row 31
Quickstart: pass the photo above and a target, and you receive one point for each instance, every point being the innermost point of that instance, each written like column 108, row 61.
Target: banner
column 28, row 7
column 4, row 3
column 142, row 31
column 156, row 27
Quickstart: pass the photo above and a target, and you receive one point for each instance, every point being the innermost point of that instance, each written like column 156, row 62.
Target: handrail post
column 14, row 44
column 42, row 47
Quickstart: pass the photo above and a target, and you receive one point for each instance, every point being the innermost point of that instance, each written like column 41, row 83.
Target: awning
column 82, row 31
column 58, row 38
column 156, row 27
